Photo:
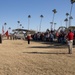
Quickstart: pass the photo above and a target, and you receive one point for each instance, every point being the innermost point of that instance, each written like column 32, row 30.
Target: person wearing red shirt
column 28, row 38
column 70, row 38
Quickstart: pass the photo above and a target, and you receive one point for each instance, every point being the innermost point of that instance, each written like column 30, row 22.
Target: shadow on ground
column 55, row 45
column 43, row 53
column 50, row 45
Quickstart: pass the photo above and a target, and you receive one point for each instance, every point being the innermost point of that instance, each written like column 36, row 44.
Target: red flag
column 6, row 33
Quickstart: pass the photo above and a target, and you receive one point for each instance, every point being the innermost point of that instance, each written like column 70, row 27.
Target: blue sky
column 12, row 11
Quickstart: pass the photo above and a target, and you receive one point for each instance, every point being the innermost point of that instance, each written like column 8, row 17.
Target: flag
column 6, row 33
column 2, row 30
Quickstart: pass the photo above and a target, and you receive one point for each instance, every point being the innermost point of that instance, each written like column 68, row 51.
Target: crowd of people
column 51, row 36
column 61, row 37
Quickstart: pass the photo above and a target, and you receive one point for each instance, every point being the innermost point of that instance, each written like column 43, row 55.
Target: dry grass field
column 37, row 58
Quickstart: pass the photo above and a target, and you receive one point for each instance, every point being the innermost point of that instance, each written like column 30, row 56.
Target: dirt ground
column 37, row 58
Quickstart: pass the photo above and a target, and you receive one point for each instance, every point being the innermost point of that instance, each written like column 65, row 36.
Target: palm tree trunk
column 53, row 20
column 40, row 25
column 5, row 28
column 28, row 23
column 70, row 14
column 51, row 26
column 66, row 24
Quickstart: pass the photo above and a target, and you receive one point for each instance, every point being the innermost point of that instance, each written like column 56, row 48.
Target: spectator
column 51, row 37
column 70, row 38
column 28, row 38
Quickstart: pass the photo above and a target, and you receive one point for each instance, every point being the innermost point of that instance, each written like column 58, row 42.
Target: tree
column 29, row 16
column 5, row 25
column 9, row 29
column 70, row 19
column 22, row 27
column 18, row 23
column 51, row 24
column 54, row 25
column 67, row 14
column 72, row 1
column 66, row 20
column 41, row 16
column 47, row 30
column 54, row 12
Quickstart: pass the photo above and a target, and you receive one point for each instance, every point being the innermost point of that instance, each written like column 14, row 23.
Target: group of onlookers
column 61, row 37
column 47, row 36
column 52, row 36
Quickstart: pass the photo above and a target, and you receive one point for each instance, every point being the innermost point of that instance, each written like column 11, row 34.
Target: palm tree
column 29, row 16
column 54, row 12
column 47, row 30
column 67, row 14
column 22, row 27
column 5, row 25
column 72, row 1
column 9, row 29
column 70, row 18
column 66, row 20
column 41, row 16
column 54, row 25
column 18, row 23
